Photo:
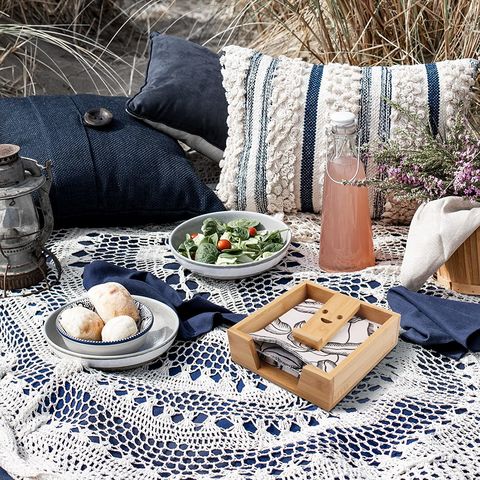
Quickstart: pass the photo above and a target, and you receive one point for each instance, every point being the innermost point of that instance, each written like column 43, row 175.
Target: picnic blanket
column 196, row 414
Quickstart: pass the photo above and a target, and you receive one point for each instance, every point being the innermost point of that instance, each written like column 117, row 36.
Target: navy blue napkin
column 448, row 326
column 197, row 315
column 4, row 475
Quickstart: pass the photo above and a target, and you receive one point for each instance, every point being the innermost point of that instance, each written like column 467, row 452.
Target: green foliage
column 243, row 223
column 210, row 226
column 188, row 248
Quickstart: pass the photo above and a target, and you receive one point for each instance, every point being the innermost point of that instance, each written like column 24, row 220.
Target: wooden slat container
column 324, row 389
column 461, row 272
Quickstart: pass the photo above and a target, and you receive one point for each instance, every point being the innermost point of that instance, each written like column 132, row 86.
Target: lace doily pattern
column 195, row 414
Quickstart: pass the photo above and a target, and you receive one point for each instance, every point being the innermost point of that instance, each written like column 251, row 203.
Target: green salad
column 231, row 243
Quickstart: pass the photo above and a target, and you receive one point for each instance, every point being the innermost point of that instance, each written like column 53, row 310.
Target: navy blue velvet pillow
column 183, row 94
column 123, row 174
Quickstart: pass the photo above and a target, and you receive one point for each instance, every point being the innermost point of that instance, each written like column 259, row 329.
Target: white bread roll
column 80, row 322
column 112, row 300
column 119, row 328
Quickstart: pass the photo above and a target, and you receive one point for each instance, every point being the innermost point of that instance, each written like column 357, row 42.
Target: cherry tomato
column 252, row 231
column 224, row 245
column 193, row 235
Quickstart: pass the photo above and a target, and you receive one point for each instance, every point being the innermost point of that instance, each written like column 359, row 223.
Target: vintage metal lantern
column 26, row 219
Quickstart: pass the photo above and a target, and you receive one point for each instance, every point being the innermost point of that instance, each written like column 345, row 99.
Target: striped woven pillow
column 278, row 118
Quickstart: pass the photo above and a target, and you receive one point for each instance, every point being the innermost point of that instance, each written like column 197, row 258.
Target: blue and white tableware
column 117, row 347
column 158, row 340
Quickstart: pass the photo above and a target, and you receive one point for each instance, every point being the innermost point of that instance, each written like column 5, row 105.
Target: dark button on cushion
column 122, row 174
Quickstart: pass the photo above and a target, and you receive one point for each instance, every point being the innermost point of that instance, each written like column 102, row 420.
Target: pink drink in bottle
column 346, row 243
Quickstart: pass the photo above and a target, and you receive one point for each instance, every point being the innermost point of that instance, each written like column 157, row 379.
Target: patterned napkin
column 276, row 345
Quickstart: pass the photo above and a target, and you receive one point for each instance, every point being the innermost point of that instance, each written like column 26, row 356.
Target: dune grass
column 359, row 32
column 100, row 35
column 367, row 32
column 34, row 32
column 25, row 48
column 89, row 17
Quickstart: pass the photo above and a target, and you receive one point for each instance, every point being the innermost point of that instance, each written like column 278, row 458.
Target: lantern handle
column 37, row 170
column 45, row 205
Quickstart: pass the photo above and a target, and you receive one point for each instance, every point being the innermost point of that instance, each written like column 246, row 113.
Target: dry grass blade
column 28, row 44
column 86, row 17
column 35, row 33
column 354, row 31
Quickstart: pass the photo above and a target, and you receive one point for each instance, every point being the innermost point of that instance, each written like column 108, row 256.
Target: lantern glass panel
column 18, row 221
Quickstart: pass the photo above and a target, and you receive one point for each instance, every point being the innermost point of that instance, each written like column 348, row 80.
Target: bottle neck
column 345, row 148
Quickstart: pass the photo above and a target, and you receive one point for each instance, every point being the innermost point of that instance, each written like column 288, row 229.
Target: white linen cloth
column 438, row 228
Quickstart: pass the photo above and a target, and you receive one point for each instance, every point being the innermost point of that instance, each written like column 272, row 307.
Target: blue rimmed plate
column 118, row 347
column 158, row 340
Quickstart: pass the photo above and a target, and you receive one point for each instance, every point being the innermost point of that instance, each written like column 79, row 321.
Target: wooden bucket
column 461, row 272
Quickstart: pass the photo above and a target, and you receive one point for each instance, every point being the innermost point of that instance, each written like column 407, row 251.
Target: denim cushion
column 122, row 174
column 183, row 92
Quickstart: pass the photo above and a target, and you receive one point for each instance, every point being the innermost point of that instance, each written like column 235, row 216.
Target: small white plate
column 159, row 340
column 230, row 272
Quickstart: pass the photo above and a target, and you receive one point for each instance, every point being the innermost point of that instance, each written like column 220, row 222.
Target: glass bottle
column 346, row 242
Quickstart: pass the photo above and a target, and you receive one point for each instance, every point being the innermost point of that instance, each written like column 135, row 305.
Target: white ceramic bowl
column 117, row 347
column 229, row 272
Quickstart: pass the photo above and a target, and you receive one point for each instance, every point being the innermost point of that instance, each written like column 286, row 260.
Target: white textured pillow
column 278, row 119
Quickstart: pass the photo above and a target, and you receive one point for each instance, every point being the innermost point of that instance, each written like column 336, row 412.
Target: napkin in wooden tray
column 276, row 345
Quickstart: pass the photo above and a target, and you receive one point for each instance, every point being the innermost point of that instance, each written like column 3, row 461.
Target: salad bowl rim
column 226, row 213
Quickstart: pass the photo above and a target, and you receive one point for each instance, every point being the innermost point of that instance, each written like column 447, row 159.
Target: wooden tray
column 324, row 389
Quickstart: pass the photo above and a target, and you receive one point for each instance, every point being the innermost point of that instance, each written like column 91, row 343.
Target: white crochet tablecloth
column 195, row 414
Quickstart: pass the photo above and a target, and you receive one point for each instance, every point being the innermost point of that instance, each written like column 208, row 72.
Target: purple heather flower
column 466, row 180
column 456, row 172
column 396, row 174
